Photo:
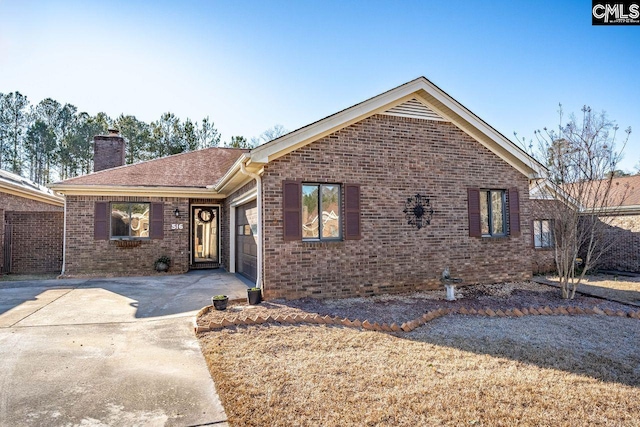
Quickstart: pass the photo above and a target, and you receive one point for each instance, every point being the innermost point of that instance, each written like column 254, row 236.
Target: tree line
column 51, row 141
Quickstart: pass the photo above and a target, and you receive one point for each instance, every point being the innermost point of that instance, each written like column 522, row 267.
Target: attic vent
column 415, row 110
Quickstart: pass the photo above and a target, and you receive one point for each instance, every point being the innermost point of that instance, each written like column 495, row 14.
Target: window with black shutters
column 320, row 211
column 128, row 220
column 493, row 213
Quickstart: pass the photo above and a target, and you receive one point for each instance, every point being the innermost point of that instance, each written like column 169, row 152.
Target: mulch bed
column 403, row 308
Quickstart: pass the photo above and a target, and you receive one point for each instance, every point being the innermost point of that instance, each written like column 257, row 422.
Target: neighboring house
column 622, row 219
column 618, row 211
column 31, row 226
column 377, row 198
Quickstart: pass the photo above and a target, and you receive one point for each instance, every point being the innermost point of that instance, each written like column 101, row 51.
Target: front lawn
column 456, row 370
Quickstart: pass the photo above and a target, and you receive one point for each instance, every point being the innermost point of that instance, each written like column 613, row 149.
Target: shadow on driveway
column 108, row 300
column 115, row 352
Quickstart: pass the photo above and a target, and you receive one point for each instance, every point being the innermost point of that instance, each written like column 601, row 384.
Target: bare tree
column 268, row 135
column 582, row 160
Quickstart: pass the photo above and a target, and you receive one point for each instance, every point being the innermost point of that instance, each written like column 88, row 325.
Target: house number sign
column 177, row 226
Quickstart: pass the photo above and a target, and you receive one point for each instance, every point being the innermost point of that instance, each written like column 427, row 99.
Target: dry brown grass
column 534, row 371
column 619, row 288
column 614, row 282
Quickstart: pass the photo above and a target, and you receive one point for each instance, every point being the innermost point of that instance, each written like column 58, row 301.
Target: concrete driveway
column 108, row 352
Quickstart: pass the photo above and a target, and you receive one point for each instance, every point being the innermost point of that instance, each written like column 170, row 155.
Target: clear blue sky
column 251, row 65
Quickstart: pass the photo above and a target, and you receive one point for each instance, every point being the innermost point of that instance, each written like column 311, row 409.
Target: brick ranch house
column 617, row 212
column 377, row 198
column 621, row 217
column 31, row 225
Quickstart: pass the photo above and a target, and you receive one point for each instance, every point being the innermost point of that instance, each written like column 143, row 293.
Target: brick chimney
column 108, row 151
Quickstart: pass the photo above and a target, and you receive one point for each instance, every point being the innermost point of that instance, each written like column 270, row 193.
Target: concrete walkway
column 108, row 352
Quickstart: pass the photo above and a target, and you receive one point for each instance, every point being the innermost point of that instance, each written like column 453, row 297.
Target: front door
column 205, row 222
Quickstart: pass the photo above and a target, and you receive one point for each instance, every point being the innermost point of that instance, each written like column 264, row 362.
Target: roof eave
column 235, row 178
column 426, row 92
column 153, row 191
column 613, row 210
column 38, row 196
column 481, row 131
column 303, row 136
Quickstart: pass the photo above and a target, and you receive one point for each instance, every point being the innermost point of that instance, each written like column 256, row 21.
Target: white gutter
column 230, row 173
column 64, row 238
column 37, row 195
column 255, row 176
column 114, row 190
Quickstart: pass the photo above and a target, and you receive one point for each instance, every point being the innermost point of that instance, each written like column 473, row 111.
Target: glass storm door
column 205, row 220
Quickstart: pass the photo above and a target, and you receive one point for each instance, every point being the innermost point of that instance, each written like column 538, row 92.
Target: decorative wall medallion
column 418, row 211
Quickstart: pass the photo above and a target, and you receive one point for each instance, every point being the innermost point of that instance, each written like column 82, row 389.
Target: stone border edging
column 409, row 326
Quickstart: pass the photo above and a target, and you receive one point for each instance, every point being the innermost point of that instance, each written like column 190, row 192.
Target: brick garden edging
column 291, row 319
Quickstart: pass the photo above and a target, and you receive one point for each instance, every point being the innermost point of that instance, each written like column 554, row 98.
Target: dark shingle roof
column 194, row 169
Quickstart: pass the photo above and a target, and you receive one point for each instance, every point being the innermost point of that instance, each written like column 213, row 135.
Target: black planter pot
column 254, row 296
column 220, row 304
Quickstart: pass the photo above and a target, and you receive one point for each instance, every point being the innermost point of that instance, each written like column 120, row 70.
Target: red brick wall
column 543, row 259
column 2, row 223
column 624, row 252
column 36, row 241
column 622, row 239
column 108, row 152
column 10, row 203
column 95, row 257
column 392, row 159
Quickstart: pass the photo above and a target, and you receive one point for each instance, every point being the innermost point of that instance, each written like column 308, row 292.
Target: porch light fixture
column 177, row 213
column 418, row 211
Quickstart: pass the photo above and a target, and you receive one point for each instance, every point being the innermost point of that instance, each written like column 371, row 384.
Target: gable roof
column 436, row 101
column 16, row 185
column 188, row 172
column 218, row 171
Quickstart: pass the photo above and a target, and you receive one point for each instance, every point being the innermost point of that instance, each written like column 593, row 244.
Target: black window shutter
column 101, row 221
column 292, row 210
column 514, row 212
column 156, row 229
column 473, row 195
column 352, row 224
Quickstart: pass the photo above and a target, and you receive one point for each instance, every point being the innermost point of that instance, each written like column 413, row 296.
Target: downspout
column 64, row 237
column 258, row 179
